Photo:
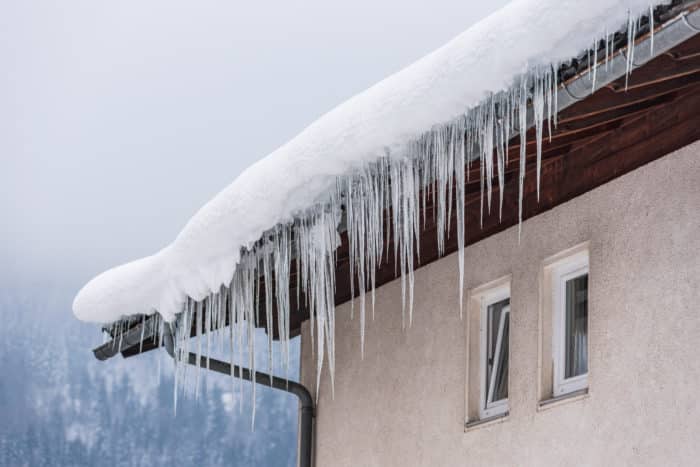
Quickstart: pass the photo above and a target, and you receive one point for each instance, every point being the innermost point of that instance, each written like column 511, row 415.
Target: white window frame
column 567, row 269
column 487, row 408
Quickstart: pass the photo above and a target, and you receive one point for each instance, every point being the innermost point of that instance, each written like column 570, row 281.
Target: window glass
column 498, row 317
column 567, row 277
column 576, row 327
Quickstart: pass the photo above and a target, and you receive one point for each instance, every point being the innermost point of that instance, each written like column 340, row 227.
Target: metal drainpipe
column 306, row 402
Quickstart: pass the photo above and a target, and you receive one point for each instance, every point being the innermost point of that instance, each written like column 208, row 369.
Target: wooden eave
column 604, row 136
column 598, row 139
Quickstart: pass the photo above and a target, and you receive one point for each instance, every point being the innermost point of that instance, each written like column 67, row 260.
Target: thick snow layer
column 441, row 86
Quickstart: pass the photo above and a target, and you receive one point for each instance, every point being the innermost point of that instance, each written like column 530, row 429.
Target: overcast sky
column 119, row 119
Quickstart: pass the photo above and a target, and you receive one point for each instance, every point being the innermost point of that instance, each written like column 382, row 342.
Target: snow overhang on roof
column 414, row 129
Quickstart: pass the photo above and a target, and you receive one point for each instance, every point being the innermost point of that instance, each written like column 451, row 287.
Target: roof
column 496, row 54
column 599, row 137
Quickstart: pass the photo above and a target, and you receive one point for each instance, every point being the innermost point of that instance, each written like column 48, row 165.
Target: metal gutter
column 145, row 331
column 666, row 36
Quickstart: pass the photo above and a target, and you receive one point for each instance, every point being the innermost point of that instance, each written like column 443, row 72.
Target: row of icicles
column 385, row 207
column 384, row 201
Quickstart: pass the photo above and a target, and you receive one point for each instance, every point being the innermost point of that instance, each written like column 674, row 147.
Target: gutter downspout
column 306, row 403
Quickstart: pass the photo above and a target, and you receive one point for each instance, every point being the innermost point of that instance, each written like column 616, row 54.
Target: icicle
column 231, row 334
column 607, row 47
column 176, row 383
column 538, row 113
column 487, row 147
column 555, row 85
column 198, row 313
column 350, row 217
column 612, row 46
column 143, row 330
column 121, row 337
column 442, row 176
column 548, row 98
column 651, row 29
column 359, row 231
column 158, row 369
column 481, row 188
column 208, row 327
column 594, row 66
column 522, row 115
column 459, row 173
column 631, row 33
column 251, row 365
column 501, row 168
column 452, row 132
column 266, row 255
column 408, row 211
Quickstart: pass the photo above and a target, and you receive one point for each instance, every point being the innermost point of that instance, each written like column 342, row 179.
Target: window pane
column 494, row 315
column 576, row 327
column 500, row 390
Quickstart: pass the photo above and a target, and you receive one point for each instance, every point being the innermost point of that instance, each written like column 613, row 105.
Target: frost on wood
column 383, row 207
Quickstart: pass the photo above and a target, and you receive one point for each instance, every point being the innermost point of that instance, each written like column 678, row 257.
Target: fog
column 118, row 120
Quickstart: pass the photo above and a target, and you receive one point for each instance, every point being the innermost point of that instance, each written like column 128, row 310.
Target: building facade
column 616, row 384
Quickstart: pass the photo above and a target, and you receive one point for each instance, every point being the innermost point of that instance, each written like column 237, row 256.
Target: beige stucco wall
column 404, row 404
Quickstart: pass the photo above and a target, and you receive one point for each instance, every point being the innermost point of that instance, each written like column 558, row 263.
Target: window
column 570, row 324
column 487, row 343
column 494, row 330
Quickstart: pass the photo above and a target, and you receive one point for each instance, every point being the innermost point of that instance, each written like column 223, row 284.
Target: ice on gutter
column 374, row 153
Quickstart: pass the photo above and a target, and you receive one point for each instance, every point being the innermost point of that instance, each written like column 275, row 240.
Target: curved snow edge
column 435, row 89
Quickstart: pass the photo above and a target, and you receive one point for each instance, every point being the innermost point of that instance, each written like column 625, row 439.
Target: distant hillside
column 61, row 407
